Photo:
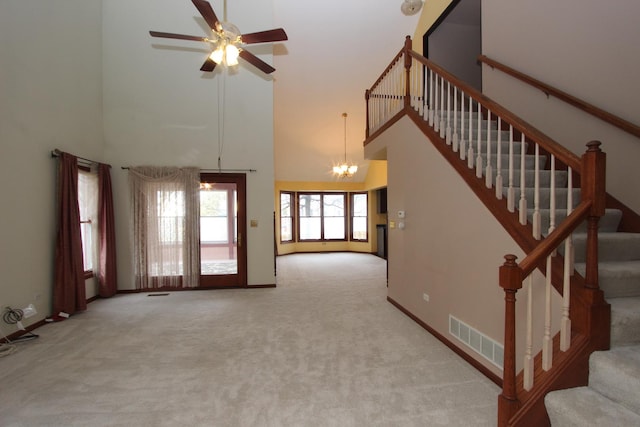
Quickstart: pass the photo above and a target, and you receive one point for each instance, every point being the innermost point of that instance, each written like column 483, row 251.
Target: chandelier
column 345, row 170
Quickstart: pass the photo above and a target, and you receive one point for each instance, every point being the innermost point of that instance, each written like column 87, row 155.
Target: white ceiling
column 336, row 50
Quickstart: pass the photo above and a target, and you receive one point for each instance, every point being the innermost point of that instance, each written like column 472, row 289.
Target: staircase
column 613, row 394
column 527, row 181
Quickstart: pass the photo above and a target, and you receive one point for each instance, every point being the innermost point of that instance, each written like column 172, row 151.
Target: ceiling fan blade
column 257, row 62
column 177, row 36
column 275, row 35
column 205, row 9
column 208, row 65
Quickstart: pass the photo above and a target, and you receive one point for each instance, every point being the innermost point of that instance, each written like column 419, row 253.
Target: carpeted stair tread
column 584, row 407
column 545, row 196
column 612, row 246
column 625, row 321
column 616, row 375
column 617, row 278
column 608, row 223
column 529, row 178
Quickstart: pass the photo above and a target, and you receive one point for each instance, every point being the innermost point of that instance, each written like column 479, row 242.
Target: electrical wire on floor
column 7, row 347
column 13, row 316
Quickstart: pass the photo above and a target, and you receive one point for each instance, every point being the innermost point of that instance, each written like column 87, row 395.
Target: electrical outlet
column 425, row 297
column 29, row 311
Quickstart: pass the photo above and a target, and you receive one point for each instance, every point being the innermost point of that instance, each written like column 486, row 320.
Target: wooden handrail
column 562, row 153
column 563, row 96
column 553, row 240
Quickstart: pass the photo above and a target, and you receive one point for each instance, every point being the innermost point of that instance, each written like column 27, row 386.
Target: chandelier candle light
column 345, row 170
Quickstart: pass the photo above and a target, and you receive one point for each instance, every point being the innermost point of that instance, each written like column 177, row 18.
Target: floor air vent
column 482, row 344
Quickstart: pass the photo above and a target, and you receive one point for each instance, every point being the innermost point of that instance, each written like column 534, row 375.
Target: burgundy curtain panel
column 69, row 294
column 107, row 272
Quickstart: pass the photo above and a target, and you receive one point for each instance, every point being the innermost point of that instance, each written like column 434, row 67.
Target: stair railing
column 524, row 165
column 549, row 90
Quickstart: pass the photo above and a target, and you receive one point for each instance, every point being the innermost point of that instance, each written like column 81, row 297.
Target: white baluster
column 499, row 162
column 571, row 253
column 436, row 116
column 511, row 192
column 489, row 169
column 479, row 144
column 565, row 323
column 431, row 96
column 528, row 354
column 455, row 138
column 442, row 102
column 547, row 343
column 552, row 201
column 536, row 196
column 448, row 130
column 522, row 208
column 470, row 151
column 462, row 114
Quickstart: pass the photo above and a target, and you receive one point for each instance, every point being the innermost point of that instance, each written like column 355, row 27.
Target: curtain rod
column 56, row 153
column 214, row 170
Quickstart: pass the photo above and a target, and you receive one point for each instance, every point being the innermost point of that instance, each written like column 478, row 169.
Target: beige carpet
column 324, row 348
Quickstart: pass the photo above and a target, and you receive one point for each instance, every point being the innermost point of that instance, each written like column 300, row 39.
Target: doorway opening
column 454, row 41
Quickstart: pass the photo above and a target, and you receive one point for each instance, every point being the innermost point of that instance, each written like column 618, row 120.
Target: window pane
column 334, row 205
column 286, row 229
column 309, row 205
column 213, row 229
column 359, row 228
column 309, row 228
column 359, row 205
column 87, row 245
column 334, row 228
column 213, row 203
column 285, row 205
column 88, row 209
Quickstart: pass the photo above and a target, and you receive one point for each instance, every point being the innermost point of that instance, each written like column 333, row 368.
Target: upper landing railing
column 541, row 193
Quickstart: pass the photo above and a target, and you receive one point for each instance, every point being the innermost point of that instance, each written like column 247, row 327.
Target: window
column 359, row 218
column 214, row 207
column 286, row 217
column 88, row 207
column 171, row 213
column 322, row 216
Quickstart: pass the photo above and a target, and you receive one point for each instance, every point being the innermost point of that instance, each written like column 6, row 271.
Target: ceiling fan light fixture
column 217, row 55
column 231, row 55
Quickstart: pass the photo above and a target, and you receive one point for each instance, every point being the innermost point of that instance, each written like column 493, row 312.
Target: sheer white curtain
column 165, row 204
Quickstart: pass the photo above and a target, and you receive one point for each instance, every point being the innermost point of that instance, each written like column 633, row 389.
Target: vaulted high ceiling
column 336, row 50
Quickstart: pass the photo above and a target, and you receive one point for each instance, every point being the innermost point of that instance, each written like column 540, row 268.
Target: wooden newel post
column 407, row 66
column 594, row 189
column 367, row 95
column 510, row 277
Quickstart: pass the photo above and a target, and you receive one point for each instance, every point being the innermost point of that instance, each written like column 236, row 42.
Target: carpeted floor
column 324, row 348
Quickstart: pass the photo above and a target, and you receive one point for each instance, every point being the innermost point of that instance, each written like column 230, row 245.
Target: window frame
column 88, row 273
column 322, row 217
column 352, row 215
column 292, row 216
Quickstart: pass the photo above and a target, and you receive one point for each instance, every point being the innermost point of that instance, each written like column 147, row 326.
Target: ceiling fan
column 227, row 42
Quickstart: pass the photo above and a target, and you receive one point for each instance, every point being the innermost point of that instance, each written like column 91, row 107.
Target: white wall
column 159, row 109
column 50, row 97
column 586, row 48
